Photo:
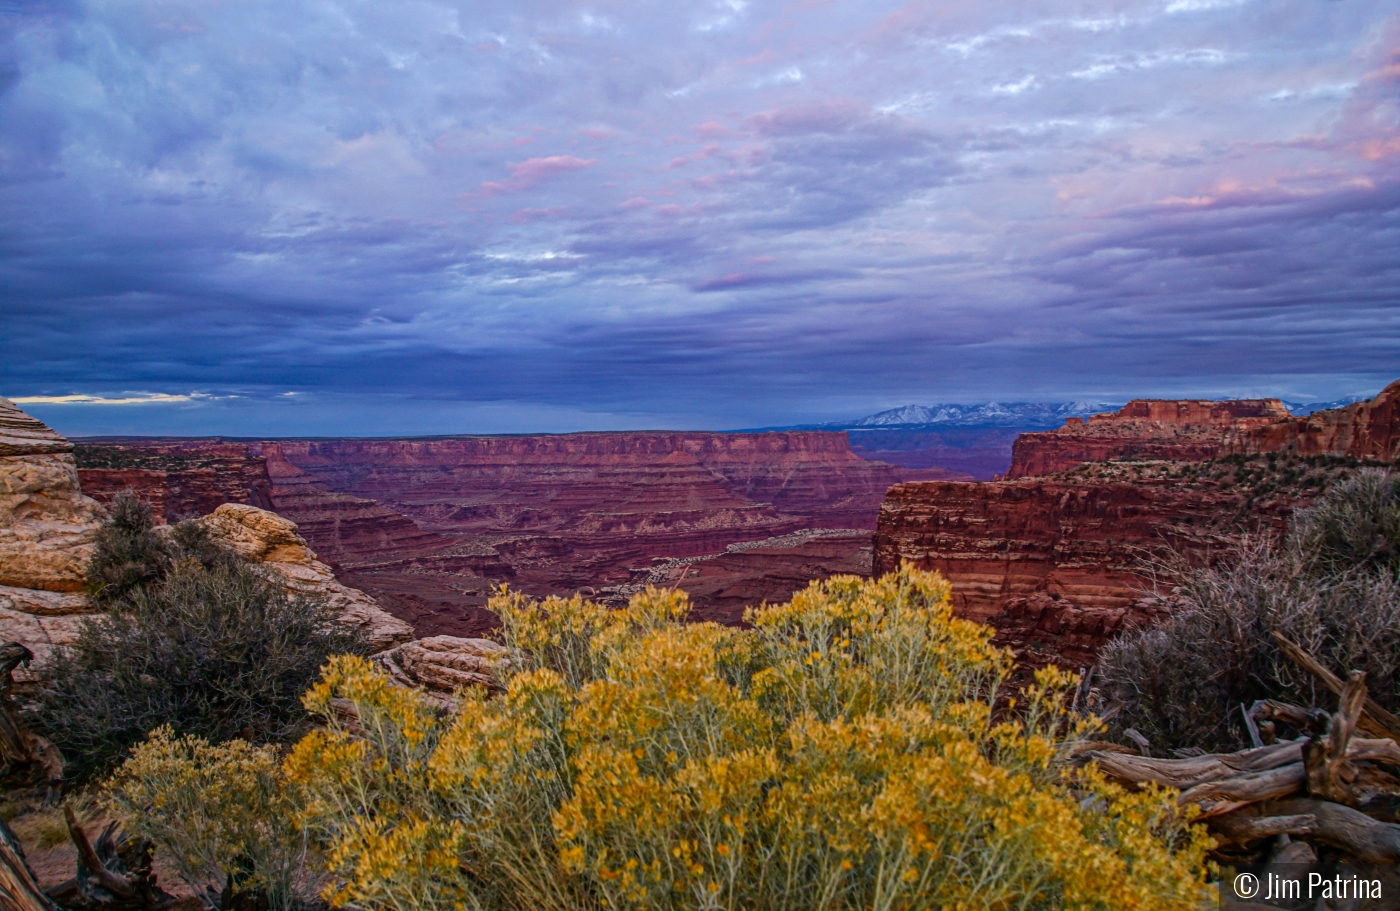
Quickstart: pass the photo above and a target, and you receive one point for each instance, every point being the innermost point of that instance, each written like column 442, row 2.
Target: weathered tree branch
column 1329, row 772
column 1242, row 826
column 1342, row 827
column 19, row 888
column 1375, row 720
column 1219, row 797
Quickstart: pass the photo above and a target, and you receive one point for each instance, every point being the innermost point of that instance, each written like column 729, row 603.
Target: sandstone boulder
column 47, row 526
column 272, row 541
column 441, row 665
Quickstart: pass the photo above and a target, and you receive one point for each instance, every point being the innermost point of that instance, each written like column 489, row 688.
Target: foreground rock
column 442, row 665
column 47, row 533
column 271, row 541
column 47, row 526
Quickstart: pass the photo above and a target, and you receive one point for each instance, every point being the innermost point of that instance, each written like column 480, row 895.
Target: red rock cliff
column 179, row 478
column 1365, row 430
column 1146, row 429
column 798, row 473
column 1056, row 564
column 428, row 526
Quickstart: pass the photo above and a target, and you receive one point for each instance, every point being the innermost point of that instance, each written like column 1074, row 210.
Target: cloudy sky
column 326, row 216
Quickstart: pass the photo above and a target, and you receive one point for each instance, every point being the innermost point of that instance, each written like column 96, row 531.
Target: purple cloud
column 705, row 214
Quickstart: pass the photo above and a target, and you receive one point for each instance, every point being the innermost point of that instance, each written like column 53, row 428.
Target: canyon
column 1057, row 556
column 430, row 526
column 1052, row 556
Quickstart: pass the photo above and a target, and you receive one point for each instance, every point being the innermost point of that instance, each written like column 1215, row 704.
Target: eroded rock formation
column 179, row 479
column 1364, row 430
column 47, row 532
column 1056, row 564
column 271, row 541
column 1196, row 430
column 429, row 526
column 1190, row 430
column 46, row 524
column 441, row 665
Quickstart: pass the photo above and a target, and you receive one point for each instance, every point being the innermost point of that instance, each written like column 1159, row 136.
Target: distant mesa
column 1052, row 556
column 1194, row 430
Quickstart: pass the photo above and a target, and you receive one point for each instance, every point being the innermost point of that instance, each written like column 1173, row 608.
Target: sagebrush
column 197, row 639
column 1332, row 586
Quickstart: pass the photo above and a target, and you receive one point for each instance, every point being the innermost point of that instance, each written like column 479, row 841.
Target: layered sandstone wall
column 1190, row 430
column 430, row 526
column 809, row 474
column 1057, row 564
column 47, row 526
column 1365, row 430
column 1197, row 430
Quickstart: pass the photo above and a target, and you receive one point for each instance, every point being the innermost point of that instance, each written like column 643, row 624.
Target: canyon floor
column 430, row 527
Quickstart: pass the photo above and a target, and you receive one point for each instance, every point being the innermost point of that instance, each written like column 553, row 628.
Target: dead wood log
column 1121, row 763
column 114, row 875
column 1241, row 826
column 1342, row 827
column 1375, row 720
column 1218, row 797
column 1330, row 773
column 1314, row 721
column 1082, row 749
column 21, row 748
column 1187, row 773
column 19, row 888
column 1144, row 747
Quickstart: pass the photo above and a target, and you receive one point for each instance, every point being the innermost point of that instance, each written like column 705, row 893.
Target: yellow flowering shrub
column 846, row 751
column 222, row 815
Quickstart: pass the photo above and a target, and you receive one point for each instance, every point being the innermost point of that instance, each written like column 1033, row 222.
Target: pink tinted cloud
column 710, row 150
column 712, row 130
column 830, row 116
column 533, row 170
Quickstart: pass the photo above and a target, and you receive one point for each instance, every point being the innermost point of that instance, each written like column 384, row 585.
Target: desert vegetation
column 856, row 747
column 1331, row 585
column 847, row 751
column 190, row 636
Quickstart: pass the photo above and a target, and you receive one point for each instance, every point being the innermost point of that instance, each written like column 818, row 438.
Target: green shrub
column 129, row 554
column 213, row 648
column 1331, row 586
column 1354, row 529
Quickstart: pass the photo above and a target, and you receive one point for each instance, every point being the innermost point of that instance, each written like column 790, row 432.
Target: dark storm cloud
column 435, row 215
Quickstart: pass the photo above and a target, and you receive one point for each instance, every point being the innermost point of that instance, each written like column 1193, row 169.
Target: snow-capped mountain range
column 1017, row 414
column 992, row 414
